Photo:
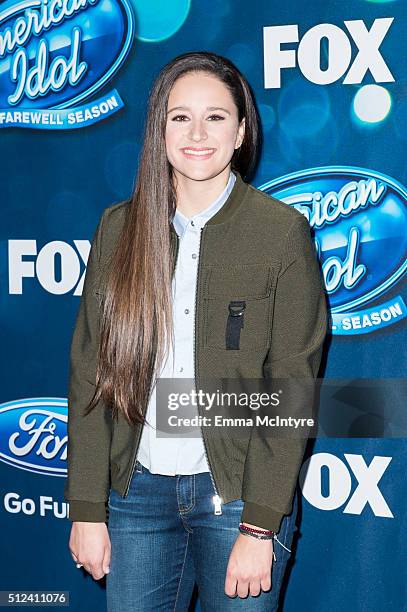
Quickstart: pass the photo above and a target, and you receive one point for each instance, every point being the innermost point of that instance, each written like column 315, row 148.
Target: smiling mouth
column 198, row 153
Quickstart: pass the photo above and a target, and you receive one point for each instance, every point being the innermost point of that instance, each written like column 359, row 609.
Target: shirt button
column 194, row 255
column 181, row 369
column 186, row 310
column 192, row 223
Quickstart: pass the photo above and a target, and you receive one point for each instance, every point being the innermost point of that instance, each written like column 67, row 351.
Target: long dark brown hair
column 136, row 313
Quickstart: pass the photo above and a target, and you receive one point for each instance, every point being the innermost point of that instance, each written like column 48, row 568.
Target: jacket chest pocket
column 238, row 307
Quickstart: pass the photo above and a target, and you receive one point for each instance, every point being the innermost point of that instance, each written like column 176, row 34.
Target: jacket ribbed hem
column 90, row 512
column 263, row 517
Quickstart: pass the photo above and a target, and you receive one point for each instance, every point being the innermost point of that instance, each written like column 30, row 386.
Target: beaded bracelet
column 261, row 534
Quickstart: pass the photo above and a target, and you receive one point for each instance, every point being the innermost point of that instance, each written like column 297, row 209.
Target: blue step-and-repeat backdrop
column 330, row 83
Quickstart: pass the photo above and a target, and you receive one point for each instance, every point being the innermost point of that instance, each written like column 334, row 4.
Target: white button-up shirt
column 180, row 455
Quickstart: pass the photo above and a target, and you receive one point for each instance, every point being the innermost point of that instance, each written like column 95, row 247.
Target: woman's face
column 202, row 129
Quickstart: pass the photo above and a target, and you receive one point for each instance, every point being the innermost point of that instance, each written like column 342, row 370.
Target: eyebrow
column 209, row 108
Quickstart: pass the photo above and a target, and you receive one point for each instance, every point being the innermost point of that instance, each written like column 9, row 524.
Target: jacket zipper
column 145, row 408
column 217, row 500
column 134, row 465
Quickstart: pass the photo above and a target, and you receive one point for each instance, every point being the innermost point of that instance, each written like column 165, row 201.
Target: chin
column 198, row 174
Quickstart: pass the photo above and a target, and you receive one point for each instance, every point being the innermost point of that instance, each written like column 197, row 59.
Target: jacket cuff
column 91, row 512
column 263, row 517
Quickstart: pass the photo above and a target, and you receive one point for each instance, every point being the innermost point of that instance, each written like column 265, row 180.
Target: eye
column 217, row 117
column 176, row 117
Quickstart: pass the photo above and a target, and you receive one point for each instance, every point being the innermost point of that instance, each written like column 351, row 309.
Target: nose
column 197, row 131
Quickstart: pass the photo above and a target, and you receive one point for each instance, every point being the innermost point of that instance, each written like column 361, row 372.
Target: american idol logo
column 33, row 435
column 359, row 219
column 55, row 54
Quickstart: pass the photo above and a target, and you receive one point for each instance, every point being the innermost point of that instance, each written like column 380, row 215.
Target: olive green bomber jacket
column 256, row 249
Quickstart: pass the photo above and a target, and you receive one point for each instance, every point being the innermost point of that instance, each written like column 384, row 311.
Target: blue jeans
column 165, row 537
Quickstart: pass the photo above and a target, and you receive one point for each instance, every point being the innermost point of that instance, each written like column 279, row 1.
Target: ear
column 240, row 133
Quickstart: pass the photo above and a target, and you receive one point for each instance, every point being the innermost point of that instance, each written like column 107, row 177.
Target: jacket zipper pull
column 217, row 502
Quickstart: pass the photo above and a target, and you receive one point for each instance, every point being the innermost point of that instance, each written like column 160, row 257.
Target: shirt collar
column 181, row 222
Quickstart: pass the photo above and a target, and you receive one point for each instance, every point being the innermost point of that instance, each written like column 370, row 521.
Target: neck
column 194, row 196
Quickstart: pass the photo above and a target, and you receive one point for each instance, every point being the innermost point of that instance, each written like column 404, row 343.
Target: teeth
column 190, row 152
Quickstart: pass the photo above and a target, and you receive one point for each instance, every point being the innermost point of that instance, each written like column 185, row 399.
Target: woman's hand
column 249, row 567
column 89, row 544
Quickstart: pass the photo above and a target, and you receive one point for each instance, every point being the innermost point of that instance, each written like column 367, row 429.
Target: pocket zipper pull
column 217, row 502
column 234, row 323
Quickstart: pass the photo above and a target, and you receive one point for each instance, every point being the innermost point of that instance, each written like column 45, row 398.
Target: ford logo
column 56, row 54
column 359, row 220
column 33, row 435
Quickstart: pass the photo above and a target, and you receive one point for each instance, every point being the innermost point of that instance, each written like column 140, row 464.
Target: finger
column 88, row 567
column 96, row 571
column 106, row 560
column 254, row 587
column 243, row 588
column 265, row 583
column 230, row 585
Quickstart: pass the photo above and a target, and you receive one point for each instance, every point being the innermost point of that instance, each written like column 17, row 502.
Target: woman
column 230, row 274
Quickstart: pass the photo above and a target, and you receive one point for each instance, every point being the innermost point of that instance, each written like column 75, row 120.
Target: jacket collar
column 231, row 205
column 200, row 219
